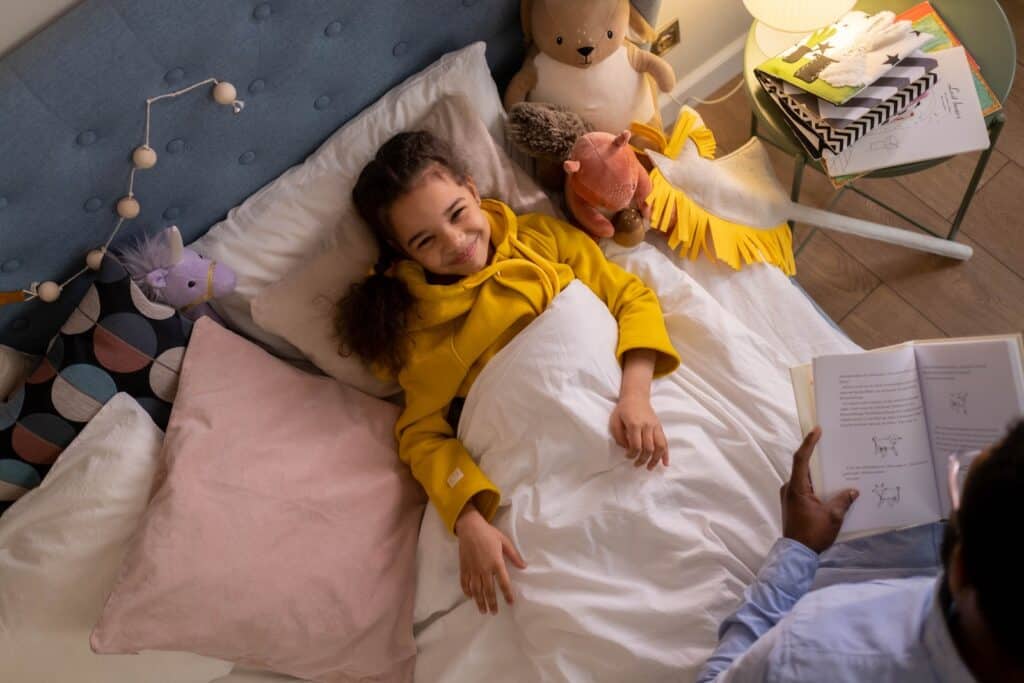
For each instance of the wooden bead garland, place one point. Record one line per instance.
(224, 93)
(94, 261)
(48, 291)
(143, 157)
(128, 207)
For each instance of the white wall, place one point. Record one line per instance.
(713, 34)
(711, 52)
(22, 19)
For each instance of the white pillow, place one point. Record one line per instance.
(61, 545)
(300, 307)
(15, 366)
(303, 211)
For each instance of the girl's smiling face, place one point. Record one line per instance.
(439, 224)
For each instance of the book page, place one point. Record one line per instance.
(972, 392)
(802, 377)
(875, 438)
(946, 121)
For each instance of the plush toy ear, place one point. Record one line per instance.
(571, 166)
(639, 26)
(622, 138)
(157, 279)
(176, 244)
(525, 14)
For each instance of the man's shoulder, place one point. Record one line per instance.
(862, 629)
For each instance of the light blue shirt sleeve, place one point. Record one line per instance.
(785, 577)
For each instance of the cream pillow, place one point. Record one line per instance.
(60, 548)
(300, 308)
(305, 209)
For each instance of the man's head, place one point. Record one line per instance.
(983, 538)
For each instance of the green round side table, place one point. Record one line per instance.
(982, 27)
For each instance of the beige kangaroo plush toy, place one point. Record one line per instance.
(579, 57)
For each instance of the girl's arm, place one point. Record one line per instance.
(634, 305)
(482, 552)
(441, 464)
(644, 348)
(637, 373)
(464, 497)
(634, 424)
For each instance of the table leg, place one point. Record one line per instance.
(998, 121)
(753, 125)
(799, 163)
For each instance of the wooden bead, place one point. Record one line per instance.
(144, 157)
(48, 292)
(128, 207)
(95, 258)
(224, 93)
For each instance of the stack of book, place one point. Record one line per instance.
(874, 91)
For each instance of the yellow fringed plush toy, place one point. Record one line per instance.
(732, 209)
(699, 204)
(711, 207)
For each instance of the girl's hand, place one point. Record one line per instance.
(634, 425)
(482, 552)
(637, 428)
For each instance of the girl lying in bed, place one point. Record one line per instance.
(458, 277)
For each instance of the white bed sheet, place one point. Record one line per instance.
(630, 572)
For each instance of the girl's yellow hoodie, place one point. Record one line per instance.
(456, 328)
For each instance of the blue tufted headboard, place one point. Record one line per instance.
(72, 108)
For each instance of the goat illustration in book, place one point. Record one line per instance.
(886, 445)
(958, 402)
(886, 496)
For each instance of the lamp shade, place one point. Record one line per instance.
(798, 15)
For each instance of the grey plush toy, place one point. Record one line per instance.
(545, 131)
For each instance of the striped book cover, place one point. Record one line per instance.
(822, 126)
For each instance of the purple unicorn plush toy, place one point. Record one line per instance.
(169, 273)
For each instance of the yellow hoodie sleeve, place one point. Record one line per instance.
(441, 464)
(634, 305)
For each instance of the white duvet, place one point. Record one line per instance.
(630, 572)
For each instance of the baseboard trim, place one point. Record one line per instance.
(715, 72)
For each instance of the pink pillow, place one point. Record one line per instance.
(283, 532)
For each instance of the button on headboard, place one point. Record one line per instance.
(72, 109)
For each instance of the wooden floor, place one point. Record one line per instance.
(881, 294)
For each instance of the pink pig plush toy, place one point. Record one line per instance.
(606, 187)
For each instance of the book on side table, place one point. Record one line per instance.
(891, 417)
(948, 120)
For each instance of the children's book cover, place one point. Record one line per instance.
(838, 62)
(926, 19)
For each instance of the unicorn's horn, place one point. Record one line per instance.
(176, 245)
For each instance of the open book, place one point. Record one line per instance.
(891, 417)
